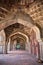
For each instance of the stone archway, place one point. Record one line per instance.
(26, 41)
(18, 17)
(25, 20)
(36, 41)
(37, 31)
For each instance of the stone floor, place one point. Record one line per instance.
(18, 58)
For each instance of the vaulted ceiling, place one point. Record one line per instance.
(33, 8)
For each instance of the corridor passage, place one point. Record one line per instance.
(18, 58)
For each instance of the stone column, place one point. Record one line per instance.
(6, 43)
(11, 44)
(14, 44)
(40, 52)
(8, 47)
(28, 45)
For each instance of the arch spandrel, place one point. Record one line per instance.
(15, 18)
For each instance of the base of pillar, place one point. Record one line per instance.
(40, 61)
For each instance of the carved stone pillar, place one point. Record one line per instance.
(6, 43)
(40, 52)
(8, 47)
(14, 44)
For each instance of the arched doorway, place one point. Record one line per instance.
(19, 39)
(24, 24)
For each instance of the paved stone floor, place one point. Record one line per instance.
(18, 58)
